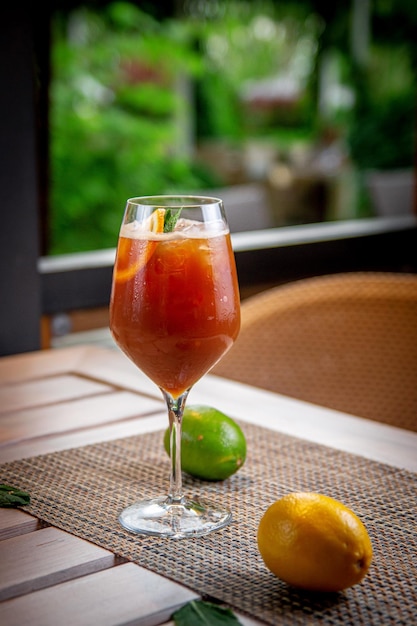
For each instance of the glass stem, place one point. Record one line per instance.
(175, 412)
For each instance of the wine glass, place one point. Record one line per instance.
(174, 311)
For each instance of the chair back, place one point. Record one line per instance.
(344, 341)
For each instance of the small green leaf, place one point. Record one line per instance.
(200, 613)
(11, 497)
(171, 219)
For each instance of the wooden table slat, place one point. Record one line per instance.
(41, 364)
(76, 414)
(78, 438)
(14, 523)
(48, 391)
(46, 557)
(122, 596)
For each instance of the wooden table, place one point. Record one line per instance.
(58, 399)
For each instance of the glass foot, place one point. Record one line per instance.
(162, 517)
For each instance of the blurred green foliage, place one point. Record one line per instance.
(382, 129)
(118, 119)
(131, 96)
(114, 121)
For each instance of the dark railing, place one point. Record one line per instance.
(272, 256)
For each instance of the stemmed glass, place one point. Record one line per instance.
(175, 312)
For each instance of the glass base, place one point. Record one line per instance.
(163, 517)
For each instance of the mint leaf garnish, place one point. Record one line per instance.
(11, 497)
(200, 613)
(170, 219)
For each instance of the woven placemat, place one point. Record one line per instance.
(82, 491)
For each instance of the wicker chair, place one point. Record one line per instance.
(344, 341)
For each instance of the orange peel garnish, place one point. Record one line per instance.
(125, 271)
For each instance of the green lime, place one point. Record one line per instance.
(213, 446)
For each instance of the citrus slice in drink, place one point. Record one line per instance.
(128, 264)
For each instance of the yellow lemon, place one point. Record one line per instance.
(213, 446)
(314, 542)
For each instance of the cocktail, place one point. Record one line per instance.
(175, 312)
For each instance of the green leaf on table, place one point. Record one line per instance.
(11, 497)
(200, 613)
(171, 219)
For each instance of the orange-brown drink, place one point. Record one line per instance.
(175, 312)
(175, 302)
